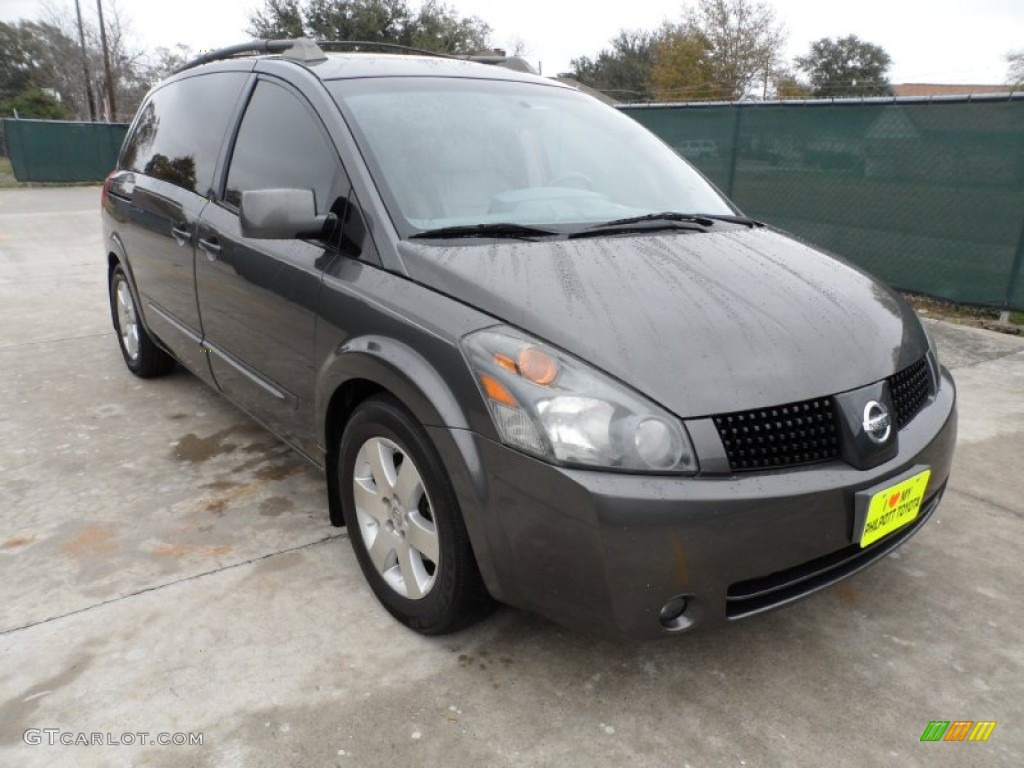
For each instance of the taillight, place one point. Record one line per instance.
(106, 189)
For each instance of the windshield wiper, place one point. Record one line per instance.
(652, 222)
(734, 219)
(501, 229)
(704, 221)
(694, 222)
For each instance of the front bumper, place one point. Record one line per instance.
(603, 552)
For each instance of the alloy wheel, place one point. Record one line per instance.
(395, 518)
(127, 320)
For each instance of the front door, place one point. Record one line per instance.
(258, 298)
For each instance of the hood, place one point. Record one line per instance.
(701, 323)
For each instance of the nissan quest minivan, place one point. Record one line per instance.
(538, 357)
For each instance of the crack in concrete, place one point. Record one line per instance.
(983, 500)
(986, 360)
(55, 341)
(193, 577)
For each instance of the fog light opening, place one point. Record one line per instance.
(672, 615)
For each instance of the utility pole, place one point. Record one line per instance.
(85, 64)
(111, 105)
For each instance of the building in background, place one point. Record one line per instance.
(945, 89)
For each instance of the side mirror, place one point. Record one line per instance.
(281, 214)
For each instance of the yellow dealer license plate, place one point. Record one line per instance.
(894, 507)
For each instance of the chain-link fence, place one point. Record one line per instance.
(927, 195)
(55, 150)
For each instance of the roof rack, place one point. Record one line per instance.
(306, 51)
(385, 46)
(516, 63)
(299, 49)
(498, 58)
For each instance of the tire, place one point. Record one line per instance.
(406, 527)
(141, 354)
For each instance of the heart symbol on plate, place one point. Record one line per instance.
(893, 499)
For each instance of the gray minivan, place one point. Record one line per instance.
(538, 357)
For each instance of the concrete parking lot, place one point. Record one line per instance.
(167, 567)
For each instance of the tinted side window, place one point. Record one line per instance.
(281, 145)
(179, 131)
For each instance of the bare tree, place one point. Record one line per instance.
(744, 42)
(132, 70)
(517, 47)
(1015, 73)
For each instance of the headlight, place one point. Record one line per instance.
(551, 405)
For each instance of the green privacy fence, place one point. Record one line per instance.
(57, 150)
(927, 195)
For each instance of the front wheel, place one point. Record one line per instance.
(141, 354)
(404, 521)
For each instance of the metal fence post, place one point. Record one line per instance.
(1014, 273)
(731, 186)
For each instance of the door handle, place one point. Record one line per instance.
(211, 246)
(182, 235)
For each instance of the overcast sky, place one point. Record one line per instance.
(939, 41)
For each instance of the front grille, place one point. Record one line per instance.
(782, 436)
(806, 432)
(746, 598)
(909, 389)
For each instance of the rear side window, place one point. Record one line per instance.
(179, 131)
(282, 145)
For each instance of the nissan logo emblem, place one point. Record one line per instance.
(877, 424)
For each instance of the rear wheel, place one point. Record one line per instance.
(404, 521)
(141, 354)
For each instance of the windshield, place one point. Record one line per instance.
(449, 152)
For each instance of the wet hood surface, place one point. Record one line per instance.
(701, 323)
